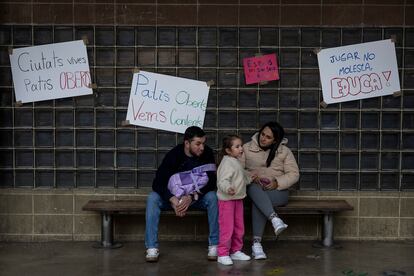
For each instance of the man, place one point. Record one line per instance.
(190, 154)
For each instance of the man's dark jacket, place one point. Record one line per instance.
(177, 161)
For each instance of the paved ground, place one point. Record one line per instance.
(189, 258)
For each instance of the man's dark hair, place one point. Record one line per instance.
(193, 131)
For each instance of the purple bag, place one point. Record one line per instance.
(188, 182)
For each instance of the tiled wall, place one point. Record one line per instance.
(45, 215)
(361, 151)
(80, 142)
(211, 12)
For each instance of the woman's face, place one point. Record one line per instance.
(266, 137)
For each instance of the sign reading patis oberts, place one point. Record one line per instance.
(50, 71)
(166, 102)
(358, 71)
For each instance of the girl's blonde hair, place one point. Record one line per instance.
(227, 142)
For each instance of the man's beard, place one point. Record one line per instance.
(194, 154)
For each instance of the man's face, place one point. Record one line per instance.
(195, 147)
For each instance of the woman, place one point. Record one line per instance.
(274, 168)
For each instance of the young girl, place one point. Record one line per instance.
(231, 183)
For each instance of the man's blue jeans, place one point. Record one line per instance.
(155, 204)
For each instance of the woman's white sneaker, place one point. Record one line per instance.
(239, 256)
(224, 260)
(278, 225)
(257, 251)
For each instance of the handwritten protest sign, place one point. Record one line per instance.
(260, 68)
(166, 102)
(358, 71)
(50, 71)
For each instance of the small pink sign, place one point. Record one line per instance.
(261, 68)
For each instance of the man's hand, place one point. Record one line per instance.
(180, 206)
(174, 204)
(184, 203)
(174, 201)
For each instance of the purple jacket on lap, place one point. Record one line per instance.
(188, 182)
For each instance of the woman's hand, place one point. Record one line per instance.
(255, 179)
(263, 181)
(271, 186)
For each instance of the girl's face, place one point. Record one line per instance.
(266, 137)
(236, 149)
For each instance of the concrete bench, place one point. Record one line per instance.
(107, 208)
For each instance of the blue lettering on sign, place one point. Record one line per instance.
(149, 90)
(344, 57)
(183, 97)
(186, 121)
(356, 68)
(26, 64)
(369, 56)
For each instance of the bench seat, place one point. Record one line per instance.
(108, 208)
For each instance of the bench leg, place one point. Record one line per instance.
(327, 236)
(107, 233)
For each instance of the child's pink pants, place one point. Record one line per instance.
(231, 225)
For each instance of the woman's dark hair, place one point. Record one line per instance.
(193, 131)
(227, 142)
(278, 134)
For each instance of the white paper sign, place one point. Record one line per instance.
(166, 102)
(358, 71)
(50, 71)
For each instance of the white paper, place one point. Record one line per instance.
(50, 71)
(358, 71)
(166, 102)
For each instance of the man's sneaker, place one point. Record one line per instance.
(152, 255)
(239, 256)
(257, 251)
(278, 225)
(212, 253)
(225, 260)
